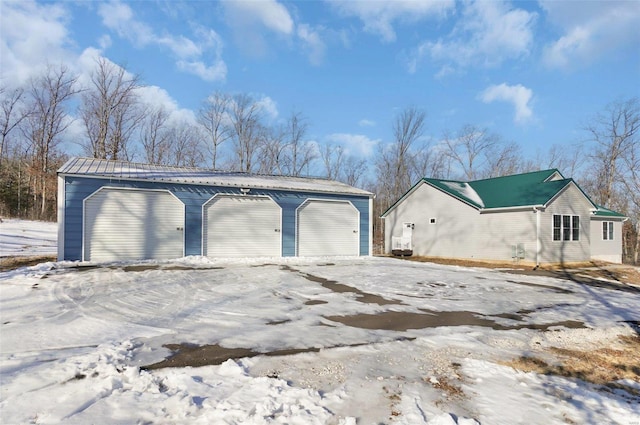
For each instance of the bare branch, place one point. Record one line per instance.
(110, 110)
(215, 120)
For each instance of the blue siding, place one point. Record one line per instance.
(194, 197)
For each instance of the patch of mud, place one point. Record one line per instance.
(340, 288)
(207, 355)
(134, 268)
(191, 355)
(278, 322)
(537, 285)
(518, 315)
(315, 302)
(403, 321)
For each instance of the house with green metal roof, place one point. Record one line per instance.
(539, 217)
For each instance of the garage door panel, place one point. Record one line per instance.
(133, 225)
(242, 226)
(328, 228)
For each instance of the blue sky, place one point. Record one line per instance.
(533, 72)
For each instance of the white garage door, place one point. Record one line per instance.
(328, 228)
(242, 226)
(132, 224)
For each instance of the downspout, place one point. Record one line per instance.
(536, 211)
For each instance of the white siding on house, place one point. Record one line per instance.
(459, 231)
(498, 233)
(606, 250)
(570, 201)
(462, 231)
(128, 224)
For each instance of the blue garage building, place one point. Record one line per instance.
(116, 210)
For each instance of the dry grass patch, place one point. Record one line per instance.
(11, 263)
(593, 269)
(626, 275)
(603, 366)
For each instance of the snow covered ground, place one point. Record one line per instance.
(21, 237)
(73, 340)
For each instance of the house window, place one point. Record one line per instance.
(607, 230)
(566, 227)
(557, 227)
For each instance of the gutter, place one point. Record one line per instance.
(511, 209)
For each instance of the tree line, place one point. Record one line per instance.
(233, 132)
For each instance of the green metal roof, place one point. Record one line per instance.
(605, 212)
(519, 190)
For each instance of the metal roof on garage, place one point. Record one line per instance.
(123, 170)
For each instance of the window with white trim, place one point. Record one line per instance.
(607, 230)
(566, 227)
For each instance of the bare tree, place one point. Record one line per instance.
(333, 158)
(246, 115)
(110, 110)
(471, 150)
(12, 114)
(215, 120)
(154, 136)
(431, 161)
(505, 160)
(613, 180)
(568, 158)
(49, 95)
(298, 153)
(272, 151)
(395, 164)
(632, 189)
(354, 172)
(185, 145)
(614, 134)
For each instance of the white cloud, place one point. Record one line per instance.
(487, 34)
(154, 96)
(119, 17)
(249, 20)
(200, 69)
(30, 35)
(354, 144)
(268, 106)
(518, 95)
(314, 45)
(104, 42)
(379, 16)
(366, 123)
(591, 30)
(180, 46)
(269, 13)
(188, 52)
